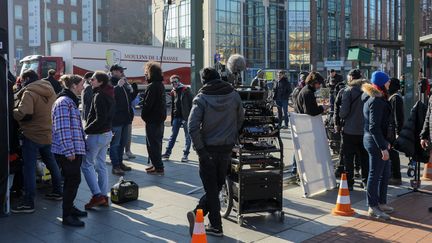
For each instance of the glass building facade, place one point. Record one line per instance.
(228, 28)
(299, 34)
(178, 25)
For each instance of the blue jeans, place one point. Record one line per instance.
(118, 143)
(379, 174)
(177, 123)
(30, 150)
(282, 107)
(94, 166)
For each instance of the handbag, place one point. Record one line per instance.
(124, 191)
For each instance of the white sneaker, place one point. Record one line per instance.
(386, 208)
(377, 213)
(130, 155)
(125, 157)
(184, 158)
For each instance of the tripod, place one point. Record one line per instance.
(415, 183)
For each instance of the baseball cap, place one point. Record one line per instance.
(117, 67)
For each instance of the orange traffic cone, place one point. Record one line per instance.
(199, 235)
(427, 172)
(343, 203)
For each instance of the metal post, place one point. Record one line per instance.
(266, 5)
(197, 45)
(412, 55)
(45, 28)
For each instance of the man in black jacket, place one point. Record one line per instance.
(53, 81)
(332, 82)
(181, 97)
(154, 114)
(86, 96)
(216, 117)
(396, 124)
(281, 95)
(123, 115)
(306, 102)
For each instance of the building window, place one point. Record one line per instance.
(74, 35)
(60, 1)
(61, 36)
(60, 16)
(73, 2)
(48, 34)
(19, 53)
(48, 15)
(19, 34)
(18, 12)
(74, 18)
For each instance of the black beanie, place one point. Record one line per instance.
(355, 73)
(208, 74)
(394, 86)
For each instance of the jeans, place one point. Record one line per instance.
(379, 173)
(29, 152)
(395, 164)
(154, 132)
(282, 107)
(118, 144)
(177, 123)
(94, 166)
(353, 147)
(72, 179)
(213, 172)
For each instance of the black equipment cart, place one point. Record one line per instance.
(255, 182)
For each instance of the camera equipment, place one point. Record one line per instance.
(254, 181)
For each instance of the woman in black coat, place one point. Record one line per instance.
(376, 111)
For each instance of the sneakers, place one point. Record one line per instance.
(107, 202)
(118, 171)
(191, 218)
(54, 196)
(149, 168)
(125, 167)
(377, 213)
(130, 155)
(385, 208)
(96, 201)
(78, 213)
(125, 157)
(210, 230)
(72, 221)
(165, 156)
(155, 171)
(23, 208)
(184, 159)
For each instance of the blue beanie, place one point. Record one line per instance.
(379, 78)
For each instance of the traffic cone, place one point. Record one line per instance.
(343, 203)
(427, 172)
(199, 235)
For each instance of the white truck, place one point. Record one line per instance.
(80, 57)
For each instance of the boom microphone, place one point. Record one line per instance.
(236, 63)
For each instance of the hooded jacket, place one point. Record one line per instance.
(306, 102)
(351, 109)
(67, 130)
(376, 112)
(99, 119)
(123, 114)
(216, 117)
(33, 111)
(154, 103)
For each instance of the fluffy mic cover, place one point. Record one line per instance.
(236, 63)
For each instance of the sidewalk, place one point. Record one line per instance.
(160, 213)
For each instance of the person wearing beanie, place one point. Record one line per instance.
(351, 113)
(306, 101)
(181, 100)
(376, 112)
(396, 123)
(214, 123)
(259, 80)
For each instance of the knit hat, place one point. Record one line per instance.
(209, 74)
(355, 73)
(379, 78)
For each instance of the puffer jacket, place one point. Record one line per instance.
(33, 111)
(216, 117)
(376, 113)
(408, 141)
